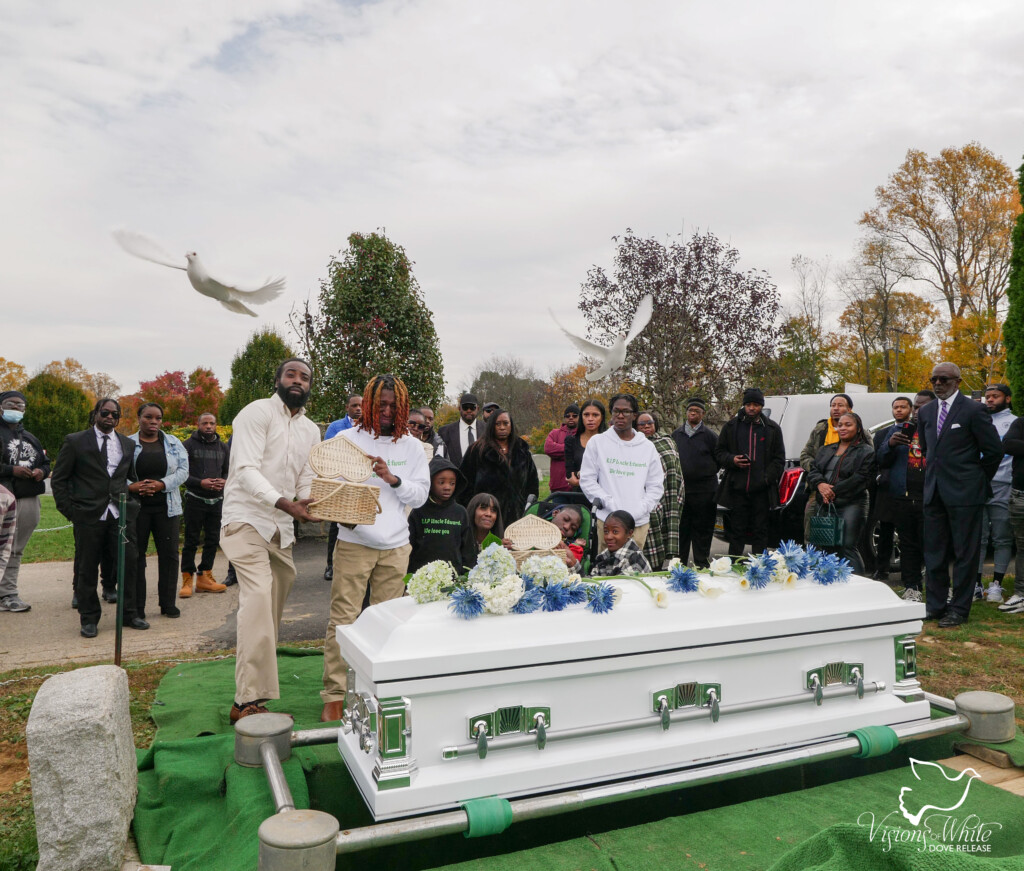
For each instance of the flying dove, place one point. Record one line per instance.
(612, 358)
(231, 297)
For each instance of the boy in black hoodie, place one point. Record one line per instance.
(440, 529)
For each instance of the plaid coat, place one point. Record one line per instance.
(627, 560)
(663, 537)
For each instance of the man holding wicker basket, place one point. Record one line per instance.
(375, 554)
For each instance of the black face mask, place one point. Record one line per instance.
(292, 400)
(208, 436)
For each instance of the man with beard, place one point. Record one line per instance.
(962, 452)
(554, 447)
(459, 437)
(267, 489)
(997, 509)
(428, 435)
(377, 556)
(204, 497)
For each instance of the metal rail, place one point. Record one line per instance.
(536, 807)
(275, 777)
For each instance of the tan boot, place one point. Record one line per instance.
(206, 584)
(186, 585)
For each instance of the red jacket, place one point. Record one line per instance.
(554, 447)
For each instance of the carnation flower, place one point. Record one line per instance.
(427, 582)
(681, 579)
(720, 566)
(466, 602)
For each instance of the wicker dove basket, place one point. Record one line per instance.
(344, 502)
(339, 458)
(532, 536)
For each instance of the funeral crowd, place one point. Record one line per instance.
(627, 496)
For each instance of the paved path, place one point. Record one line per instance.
(48, 634)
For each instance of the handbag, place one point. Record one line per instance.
(827, 528)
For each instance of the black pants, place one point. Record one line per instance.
(108, 567)
(202, 520)
(954, 536)
(886, 536)
(748, 521)
(332, 539)
(911, 531)
(697, 526)
(154, 521)
(854, 515)
(96, 543)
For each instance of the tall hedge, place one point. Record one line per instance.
(252, 372)
(54, 408)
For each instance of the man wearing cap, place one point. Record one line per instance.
(487, 410)
(997, 509)
(458, 436)
(696, 445)
(751, 450)
(554, 447)
(23, 468)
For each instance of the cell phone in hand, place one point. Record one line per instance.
(908, 428)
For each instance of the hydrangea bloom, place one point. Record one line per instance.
(682, 579)
(466, 602)
(544, 570)
(500, 598)
(427, 583)
(601, 598)
(493, 564)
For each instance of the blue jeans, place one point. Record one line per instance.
(997, 515)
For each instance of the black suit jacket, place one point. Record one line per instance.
(82, 488)
(449, 434)
(961, 460)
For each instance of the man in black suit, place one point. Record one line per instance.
(459, 436)
(962, 452)
(92, 470)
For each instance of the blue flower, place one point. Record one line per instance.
(556, 597)
(683, 579)
(832, 570)
(813, 558)
(794, 557)
(466, 603)
(531, 600)
(577, 593)
(761, 570)
(601, 598)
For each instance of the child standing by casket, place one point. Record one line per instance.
(622, 555)
(440, 529)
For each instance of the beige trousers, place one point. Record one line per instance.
(355, 566)
(265, 574)
(639, 535)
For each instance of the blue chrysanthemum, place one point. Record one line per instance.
(761, 570)
(530, 601)
(577, 593)
(601, 597)
(466, 603)
(813, 558)
(556, 597)
(794, 557)
(683, 579)
(832, 570)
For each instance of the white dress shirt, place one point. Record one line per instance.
(269, 459)
(114, 454)
(464, 429)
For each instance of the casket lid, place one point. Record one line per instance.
(401, 639)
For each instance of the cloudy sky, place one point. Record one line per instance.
(502, 145)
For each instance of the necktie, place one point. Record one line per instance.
(106, 456)
(942, 417)
(472, 436)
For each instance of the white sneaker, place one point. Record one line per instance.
(979, 593)
(912, 595)
(1012, 609)
(13, 603)
(1012, 602)
(994, 593)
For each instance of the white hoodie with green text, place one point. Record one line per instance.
(624, 475)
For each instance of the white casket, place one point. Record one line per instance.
(441, 710)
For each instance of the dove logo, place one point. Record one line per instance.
(915, 818)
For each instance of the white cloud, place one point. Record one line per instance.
(501, 145)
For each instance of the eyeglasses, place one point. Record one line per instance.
(413, 424)
(943, 379)
(621, 412)
(106, 413)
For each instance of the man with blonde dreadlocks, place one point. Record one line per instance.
(376, 556)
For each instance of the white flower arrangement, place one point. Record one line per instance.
(428, 582)
(501, 597)
(493, 564)
(544, 570)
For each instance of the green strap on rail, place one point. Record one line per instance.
(875, 741)
(487, 816)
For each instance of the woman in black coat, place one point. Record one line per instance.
(839, 475)
(499, 463)
(592, 422)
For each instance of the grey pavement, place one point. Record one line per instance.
(49, 633)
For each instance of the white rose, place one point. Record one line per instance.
(721, 566)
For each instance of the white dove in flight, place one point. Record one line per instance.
(231, 297)
(612, 358)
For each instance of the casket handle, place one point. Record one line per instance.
(817, 689)
(542, 730)
(713, 704)
(480, 727)
(665, 711)
(858, 678)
